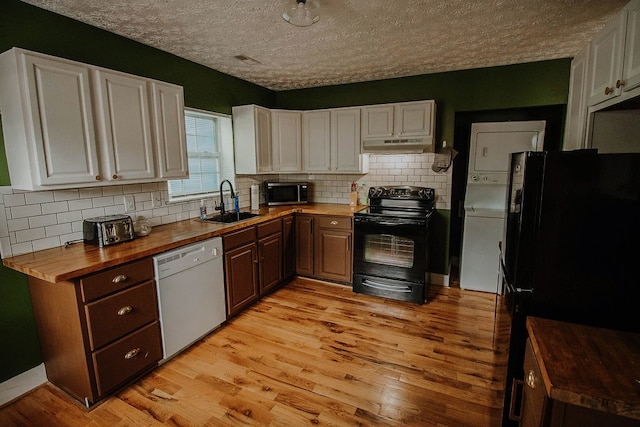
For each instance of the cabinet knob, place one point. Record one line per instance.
(334, 222)
(98, 178)
(115, 176)
(119, 278)
(608, 90)
(124, 310)
(620, 83)
(132, 353)
(531, 379)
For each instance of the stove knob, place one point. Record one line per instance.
(425, 193)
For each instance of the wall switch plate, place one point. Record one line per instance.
(129, 203)
(156, 199)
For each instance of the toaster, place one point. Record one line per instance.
(107, 230)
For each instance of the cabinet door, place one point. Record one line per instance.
(317, 141)
(377, 121)
(304, 244)
(289, 247)
(252, 139)
(631, 71)
(241, 277)
(263, 143)
(123, 111)
(333, 255)
(413, 119)
(574, 137)
(170, 137)
(286, 134)
(64, 139)
(345, 141)
(605, 58)
(270, 253)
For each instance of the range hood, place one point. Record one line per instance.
(397, 145)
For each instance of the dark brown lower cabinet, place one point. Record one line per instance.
(253, 263)
(288, 247)
(98, 332)
(324, 247)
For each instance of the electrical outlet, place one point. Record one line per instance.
(129, 203)
(156, 199)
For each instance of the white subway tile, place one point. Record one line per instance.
(42, 220)
(48, 243)
(21, 248)
(81, 204)
(90, 193)
(25, 211)
(57, 230)
(38, 197)
(30, 234)
(17, 224)
(90, 213)
(55, 207)
(11, 200)
(115, 190)
(100, 202)
(69, 217)
(63, 195)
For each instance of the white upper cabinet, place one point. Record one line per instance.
(252, 139)
(346, 154)
(316, 140)
(331, 141)
(401, 120)
(168, 119)
(614, 57)
(574, 137)
(69, 125)
(286, 140)
(124, 123)
(45, 144)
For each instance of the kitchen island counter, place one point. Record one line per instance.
(76, 260)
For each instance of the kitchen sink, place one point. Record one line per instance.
(229, 217)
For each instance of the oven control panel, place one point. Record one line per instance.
(403, 192)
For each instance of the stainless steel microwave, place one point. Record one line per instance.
(286, 193)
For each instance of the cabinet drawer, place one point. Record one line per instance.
(269, 228)
(116, 279)
(534, 394)
(239, 238)
(121, 313)
(127, 357)
(335, 222)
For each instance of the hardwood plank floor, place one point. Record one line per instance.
(315, 353)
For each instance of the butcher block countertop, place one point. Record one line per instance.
(589, 367)
(64, 263)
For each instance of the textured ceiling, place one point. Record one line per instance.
(354, 40)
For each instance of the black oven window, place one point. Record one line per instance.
(388, 249)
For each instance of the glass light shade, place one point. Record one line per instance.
(301, 15)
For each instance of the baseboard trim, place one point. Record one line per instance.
(23, 383)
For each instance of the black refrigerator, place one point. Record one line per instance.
(571, 248)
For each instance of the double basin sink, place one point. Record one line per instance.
(229, 217)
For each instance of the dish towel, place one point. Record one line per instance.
(443, 159)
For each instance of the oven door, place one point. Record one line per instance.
(390, 257)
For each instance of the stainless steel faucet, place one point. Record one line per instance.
(221, 207)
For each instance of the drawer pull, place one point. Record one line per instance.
(119, 278)
(132, 353)
(515, 385)
(124, 310)
(334, 222)
(531, 379)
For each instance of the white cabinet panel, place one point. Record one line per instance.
(574, 137)
(317, 141)
(286, 140)
(252, 139)
(123, 108)
(171, 144)
(346, 154)
(606, 54)
(413, 119)
(47, 144)
(377, 121)
(631, 67)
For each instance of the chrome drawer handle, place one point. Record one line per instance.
(132, 353)
(531, 379)
(124, 310)
(334, 222)
(119, 278)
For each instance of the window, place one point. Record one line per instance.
(210, 151)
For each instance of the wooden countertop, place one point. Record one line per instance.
(64, 263)
(589, 367)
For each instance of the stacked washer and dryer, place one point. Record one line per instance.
(485, 203)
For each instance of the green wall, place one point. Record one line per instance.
(22, 25)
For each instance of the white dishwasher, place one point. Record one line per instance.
(191, 293)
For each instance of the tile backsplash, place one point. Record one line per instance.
(36, 220)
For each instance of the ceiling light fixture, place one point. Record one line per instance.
(302, 13)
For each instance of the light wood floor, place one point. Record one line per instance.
(315, 353)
